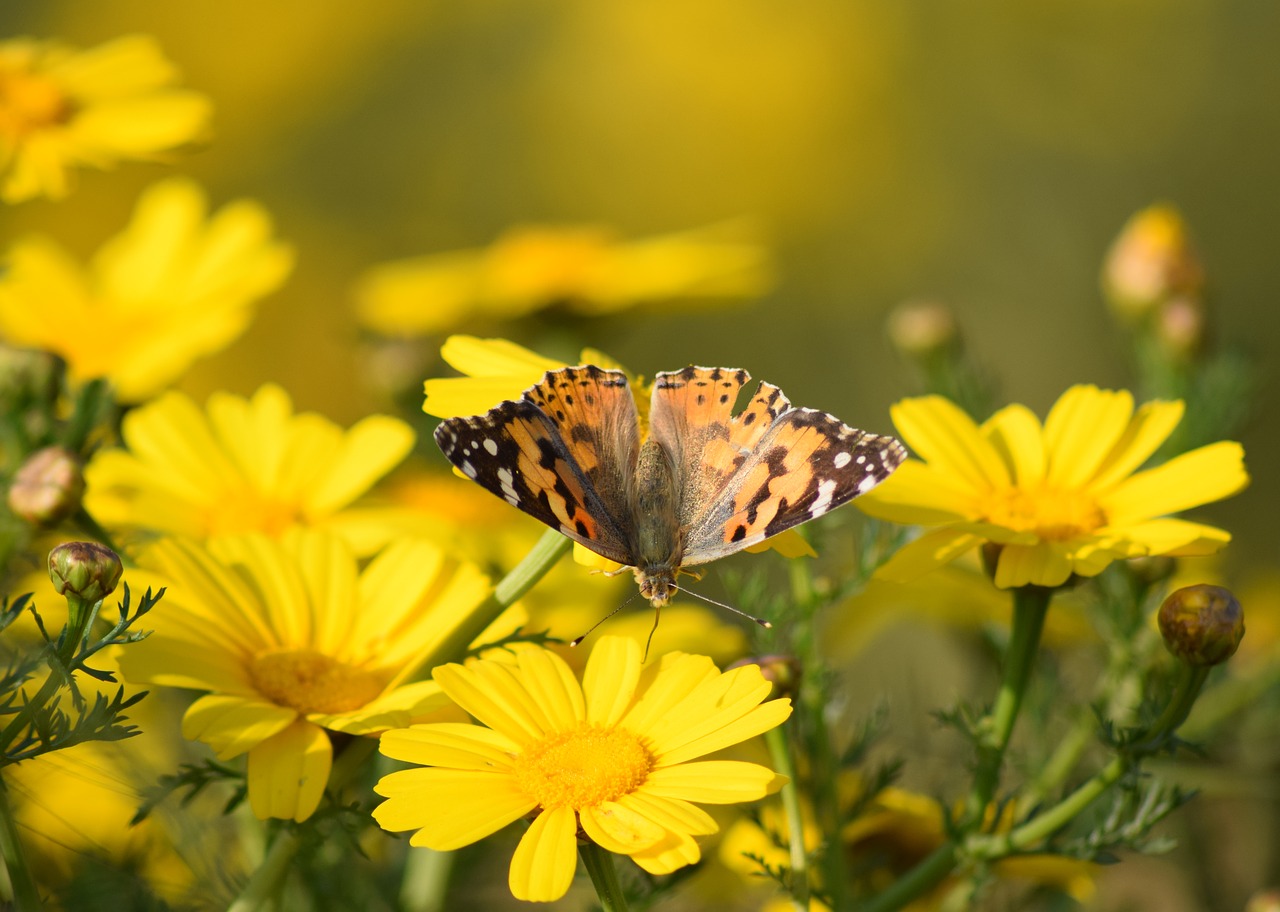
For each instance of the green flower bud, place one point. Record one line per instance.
(922, 329)
(48, 487)
(1202, 625)
(1151, 261)
(84, 570)
(28, 376)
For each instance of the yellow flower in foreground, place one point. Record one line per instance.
(584, 268)
(244, 465)
(62, 108)
(610, 757)
(176, 285)
(1058, 499)
(291, 638)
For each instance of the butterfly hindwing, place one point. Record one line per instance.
(516, 452)
(804, 464)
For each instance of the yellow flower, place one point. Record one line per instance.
(1057, 499)
(244, 465)
(896, 830)
(583, 268)
(610, 757)
(292, 639)
(175, 286)
(62, 108)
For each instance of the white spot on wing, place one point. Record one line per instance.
(468, 469)
(823, 502)
(491, 446)
(842, 460)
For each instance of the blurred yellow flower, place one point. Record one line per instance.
(585, 269)
(610, 758)
(175, 286)
(897, 829)
(244, 465)
(292, 639)
(1056, 499)
(62, 108)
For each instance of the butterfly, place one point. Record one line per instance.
(703, 484)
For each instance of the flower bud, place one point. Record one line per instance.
(1180, 327)
(783, 672)
(1151, 261)
(922, 328)
(27, 376)
(1264, 901)
(84, 570)
(48, 487)
(1202, 625)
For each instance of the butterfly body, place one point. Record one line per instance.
(704, 483)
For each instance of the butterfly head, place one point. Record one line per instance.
(657, 585)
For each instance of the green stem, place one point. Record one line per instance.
(915, 883)
(604, 877)
(267, 880)
(1030, 604)
(26, 898)
(780, 753)
(535, 565)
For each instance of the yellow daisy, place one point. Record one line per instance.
(583, 268)
(291, 638)
(62, 108)
(1056, 499)
(609, 759)
(244, 465)
(176, 285)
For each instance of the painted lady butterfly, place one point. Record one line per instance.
(703, 485)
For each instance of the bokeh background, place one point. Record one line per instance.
(982, 153)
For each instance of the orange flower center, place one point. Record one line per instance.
(583, 768)
(310, 682)
(541, 265)
(30, 102)
(1052, 514)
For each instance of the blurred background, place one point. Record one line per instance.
(984, 154)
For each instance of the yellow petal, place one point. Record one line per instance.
(1016, 434)
(452, 397)
(494, 696)
(288, 772)
(919, 494)
(1151, 426)
(928, 552)
(369, 450)
(1083, 426)
(232, 725)
(790, 544)
(449, 808)
(670, 813)
(546, 858)
(141, 127)
(455, 745)
(671, 854)
(619, 829)
(1202, 476)
(942, 434)
(610, 679)
(711, 781)
(495, 358)
(1176, 537)
(553, 688)
(1042, 564)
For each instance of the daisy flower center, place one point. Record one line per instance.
(29, 102)
(1051, 513)
(248, 511)
(583, 768)
(310, 682)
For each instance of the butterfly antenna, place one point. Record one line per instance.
(738, 611)
(625, 603)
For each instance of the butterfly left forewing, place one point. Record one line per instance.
(805, 464)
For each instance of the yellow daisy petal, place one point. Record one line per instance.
(1177, 537)
(414, 797)
(371, 449)
(618, 828)
(671, 813)
(610, 679)
(232, 725)
(1041, 565)
(1082, 428)
(918, 494)
(673, 853)
(1151, 426)
(1202, 476)
(546, 858)
(928, 552)
(1016, 434)
(288, 772)
(493, 695)
(712, 781)
(452, 744)
(495, 358)
(944, 436)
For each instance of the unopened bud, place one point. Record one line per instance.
(1180, 327)
(1264, 901)
(1151, 261)
(921, 329)
(1202, 625)
(28, 375)
(85, 570)
(48, 487)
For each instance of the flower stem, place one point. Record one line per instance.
(604, 877)
(1030, 604)
(780, 753)
(267, 880)
(26, 898)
